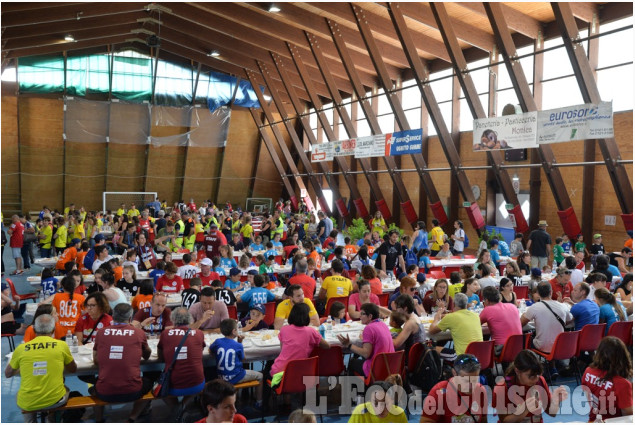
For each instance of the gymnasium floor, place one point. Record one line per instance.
(160, 412)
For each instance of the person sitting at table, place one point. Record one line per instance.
(524, 394)
(376, 339)
(72, 304)
(624, 291)
(335, 285)
(257, 244)
(191, 295)
(144, 298)
(95, 318)
(622, 259)
(156, 318)
(493, 251)
(470, 289)
(208, 312)
(464, 326)
(60, 331)
(41, 364)
(485, 278)
(381, 408)
(445, 251)
(50, 285)
(101, 257)
(256, 294)
(439, 298)
(361, 259)
(206, 275)
(106, 280)
(607, 381)
(296, 296)
(255, 320)
(188, 270)
(602, 266)
(227, 257)
(407, 286)
(484, 257)
(170, 282)
(219, 399)
(502, 318)
(301, 278)
(561, 284)
(584, 311)
(524, 263)
(363, 296)
(230, 354)
(187, 378)
(369, 273)
(233, 283)
(225, 295)
(611, 310)
(506, 288)
(512, 272)
(129, 280)
(117, 352)
(131, 259)
(145, 253)
(412, 331)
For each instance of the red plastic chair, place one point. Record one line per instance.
(565, 347)
(383, 299)
(621, 330)
(469, 256)
(331, 361)
(415, 353)
(352, 274)
(384, 365)
(437, 274)
(590, 337)
(295, 378)
(232, 311)
(200, 255)
(31, 296)
(9, 338)
(514, 345)
(270, 312)
(343, 300)
(483, 351)
(521, 292)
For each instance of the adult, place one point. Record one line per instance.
(445, 251)
(624, 291)
(539, 245)
(550, 318)
(59, 333)
(485, 258)
(356, 300)
(145, 254)
(187, 376)
(154, 319)
(584, 310)
(369, 273)
(41, 364)
(419, 237)
(506, 288)
(335, 285)
(501, 318)
(412, 330)
(439, 298)
(219, 400)
(303, 280)
(296, 296)
(464, 325)
(106, 280)
(117, 352)
(607, 380)
(101, 257)
(45, 237)
(602, 266)
(29, 237)
(436, 237)
(95, 318)
(458, 237)
(622, 260)
(561, 284)
(524, 394)
(16, 233)
(576, 274)
(376, 339)
(208, 312)
(69, 254)
(381, 407)
(486, 279)
(407, 286)
(610, 310)
(206, 274)
(390, 255)
(322, 232)
(459, 399)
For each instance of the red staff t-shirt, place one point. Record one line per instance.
(86, 324)
(171, 286)
(508, 394)
(119, 349)
(609, 397)
(17, 237)
(160, 323)
(188, 369)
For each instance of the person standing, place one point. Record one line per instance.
(16, 233)
(539, 245)
(435, 238)
(390, 255)
(459, 238)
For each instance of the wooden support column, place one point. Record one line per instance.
(584, 73)
(398, 163)
(221, 155)
(294, 137)
(423, 198)
(495, 158)
(535, 174)
(453, 205)
(272, 151)
(490, 177)
(189, 127)
(527, 103)
(346, 120)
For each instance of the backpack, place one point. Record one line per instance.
(429, 370)
(411, 258)
(89, 259)
(466, 241)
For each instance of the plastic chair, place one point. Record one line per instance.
(270, 312)
(415, 353)
(31, 296)
(383, 299)
(232, 311)
(343, 300)
(330, 361)
(514, 345)
(483, 351)
(471, 257)
(384, 365)
(295, 378)
(437, 274)
(623, 331)
(521, 292)
(565, 347)
(200, 255)
(352, 274)
(590, 337)
(9, 338)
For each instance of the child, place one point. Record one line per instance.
(256, 295)
(255, 320)
(83, 250)
(129, 280)
(267, 266)
(580, 245)
(598, 247)
(546, 270)
(227, 256)
(159, 271)
(233, 283)
(131, 259)
(230, 367)
(222, 294)
(300, 416)
(192, 295)
(270, 251)
(412, 271)
(169, 282)
(558, 252)
(456, 282)
(471, 288)
(187, 271)
(566, 244)
(144, 298)
(217, 267)
(424, 259)
(257, 245)
(397, 319)
(493, 251)
(50, 285)
(276, 244)
(236, 243)
(338, 312)
(516, 246)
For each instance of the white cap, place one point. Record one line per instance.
(205, 262)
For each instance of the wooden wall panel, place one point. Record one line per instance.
(165, 169)
(126, 167)
(268, 183)
(85, 170)
(200, 173)
(10, 187)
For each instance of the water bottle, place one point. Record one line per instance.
(554, 266)
(329, 327)
(322, 331)
(239, 326)
(69, 338)
(523, 306)
(75, 347)
(618, 297)
(598, 419)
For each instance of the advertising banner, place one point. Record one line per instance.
(579, 122)
(344, 147)
(322, 152)
(370, 146)
(508, 132)
(404, 142)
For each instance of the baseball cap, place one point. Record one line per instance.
(259, 307)
(234, 271)
(252, 272)
(597, 235)
(75, 241)
(206, 262)
(421, 278)
(536, 272)
(402, 275)
(99, 237)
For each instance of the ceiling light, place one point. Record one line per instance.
(214, 54)
(69, 38)
(273, 8)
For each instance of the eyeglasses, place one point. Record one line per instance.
(91, 305)
(412, 289)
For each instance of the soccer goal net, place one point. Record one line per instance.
(112, 200)
(258, 204)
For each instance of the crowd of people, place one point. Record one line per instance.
(119, 312)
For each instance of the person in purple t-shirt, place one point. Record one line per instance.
(376, 339)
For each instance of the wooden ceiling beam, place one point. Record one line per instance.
(516, 20)
(613, 11)
(23, 6)
(72, 12)
(66, 47)
(584, 11)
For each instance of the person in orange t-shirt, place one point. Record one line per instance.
(68, 305)
(80, 259)
(308, 245)
(144, 298)
(60, 331)
(69, 254)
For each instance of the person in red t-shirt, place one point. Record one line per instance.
(606, 381)
(459, 399)
(155, 319)
(301, 278)
(170, 282)
(118, 351)
(219, 398)
(524, 394)
(16, 232)
(96, 318)
(561, 286)
(207, 275)
(213, 241)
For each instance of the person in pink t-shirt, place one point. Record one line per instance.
(356, 300)
(297, 339)
(501, 318)
(376, 339)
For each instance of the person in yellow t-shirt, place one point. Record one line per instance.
(335, 285)
(122, 210)
(76, 228)
(380, 409)
(247, 231)
(45, 235)
(133, 211)
(61, 235)
(69, 210)
(378, 224)
(41, 363)
(435, 238)
(82, 214)
(295, 295)
(464, 325)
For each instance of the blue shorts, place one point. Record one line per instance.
(187, 391)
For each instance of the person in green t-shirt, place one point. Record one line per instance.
(381, 408)
(580, 246)
(558, 251)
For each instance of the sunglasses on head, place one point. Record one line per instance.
(468, 359)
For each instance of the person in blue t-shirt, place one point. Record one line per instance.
(276, 242)
(504, 248)
(493, 251)
(257, 244)
(157, 272)
(611, 310)
(234, 283)
(424, 259)
(584, 310)
(258, 294)
(49, 283)
(270, 251)
(255, 321)
(229, 354)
